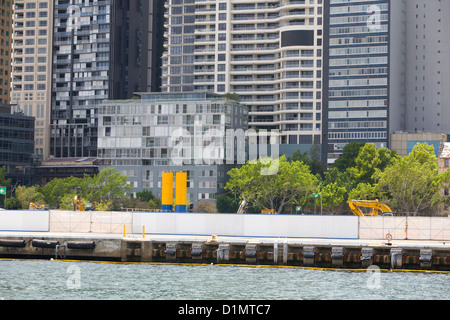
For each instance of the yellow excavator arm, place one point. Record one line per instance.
(375, 208)
(32, 206)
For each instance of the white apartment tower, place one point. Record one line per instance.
(267, 52)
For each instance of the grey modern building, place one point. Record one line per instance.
(426, 65)
(386, 69)
(184, 132)
(357, 74)
(101, 50)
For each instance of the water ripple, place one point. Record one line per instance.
(58, 280)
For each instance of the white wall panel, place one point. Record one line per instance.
(24, 221)
(248, 225)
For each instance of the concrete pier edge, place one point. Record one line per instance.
(326, 254)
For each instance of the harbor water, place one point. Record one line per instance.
(68, 280)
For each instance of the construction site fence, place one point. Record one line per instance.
(289, 226)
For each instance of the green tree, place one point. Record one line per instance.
(364, 191)
(356, 174)
(349, 155)
(56, 189)
(154, 204)
(289, 184)
(4, 182)
(108, 184)
(10, 201)
(333, 198)
(310, 158)
(66, 201)
(347, 178)
(370, 160)
(26, 195)
(227, 203)
(412, 184)
(103, 205)
(145, 195)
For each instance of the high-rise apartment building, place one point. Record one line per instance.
(269, 53)
(100, 51)
(6, 31)
(31, 66)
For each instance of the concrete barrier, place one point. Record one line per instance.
(17, 220)
(247, 225)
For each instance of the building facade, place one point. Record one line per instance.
(357, 74)
(31, 66)
(386, 71)
(403, 143)
(101, 51)
(268, 53)
(6, 32)
(16, 145)
(427, 66)
(183, 132)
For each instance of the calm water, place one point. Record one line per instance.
(59, 280)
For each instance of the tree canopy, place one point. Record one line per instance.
(108, 186)
(412, 184)
(409, 185)
(293, 183)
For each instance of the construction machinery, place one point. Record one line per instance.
(371, 208)
(34, 206)
(268, 211)
(77, 204)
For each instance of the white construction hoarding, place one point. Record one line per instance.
(247, 225)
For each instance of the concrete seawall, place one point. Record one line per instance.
(321, 253)
(305, 241)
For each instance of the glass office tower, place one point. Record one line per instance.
(357, 74)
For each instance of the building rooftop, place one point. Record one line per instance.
(64, 162)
